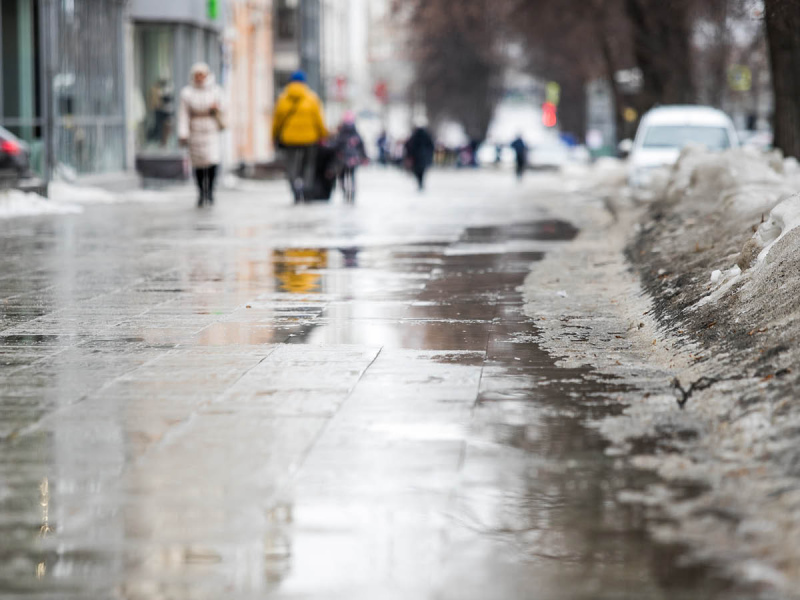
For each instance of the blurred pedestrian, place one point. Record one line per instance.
(520, 149)
(350, 154)
(383, 148)
(419, 151)
(200, 119)
(161, 102)
(297, 129)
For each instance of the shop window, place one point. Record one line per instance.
(89, 124)
(212, 51)
(20, 107)
(154, 105)
(286, 20)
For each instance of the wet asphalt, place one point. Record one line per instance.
(263, 400)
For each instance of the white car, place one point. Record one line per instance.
(664, 131)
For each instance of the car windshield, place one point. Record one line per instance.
(678, 136)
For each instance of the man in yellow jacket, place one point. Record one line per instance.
(297, 128)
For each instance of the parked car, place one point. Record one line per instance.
(664, 131)
(14, 158)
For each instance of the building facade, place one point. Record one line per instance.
(166, 39)
(391, 70)
(344, 60)
(249, 48)
(62, 84)
(298, 41)
(93, 85)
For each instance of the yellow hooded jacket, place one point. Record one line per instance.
(298, 117)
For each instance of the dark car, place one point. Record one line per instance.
(14, 158)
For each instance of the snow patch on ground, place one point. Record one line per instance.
(14, 203)
(603, 174)
(742, 180)
(61, 191)
(69, 199)
(783, 219)
(739, 188)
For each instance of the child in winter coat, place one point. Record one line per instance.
(350, 154)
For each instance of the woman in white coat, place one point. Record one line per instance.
(200, 119)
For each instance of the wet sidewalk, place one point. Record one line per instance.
(263, 400)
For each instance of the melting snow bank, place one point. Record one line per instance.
(61, 191)
(67, 199)
(14, 203)
(719, 254)
(707, 319)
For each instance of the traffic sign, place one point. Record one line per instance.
(740, 78)
(553, 93)
(549, 114)
(382, 91)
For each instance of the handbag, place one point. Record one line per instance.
(217, 114)
(278, 143)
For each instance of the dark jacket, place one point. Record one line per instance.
(350, 151)
(420, 149)
(521, 150)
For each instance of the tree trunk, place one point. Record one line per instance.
(783, 23)
(572, 110)
(662, 47)
(611, 72)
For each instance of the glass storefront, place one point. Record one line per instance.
(62, 81)
(155, 96)
(87, 90)
(74, 119)
(297, 33)
(20, 85)
(163, 56)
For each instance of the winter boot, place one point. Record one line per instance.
(299, 198)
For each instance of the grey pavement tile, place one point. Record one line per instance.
(280, 403)
(246, 334)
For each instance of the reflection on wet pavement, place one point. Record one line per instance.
(312, 403)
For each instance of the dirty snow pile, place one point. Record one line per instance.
(603, 175)
(724, 236)
(719, 254)
(693, 304)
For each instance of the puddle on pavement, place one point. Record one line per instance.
(532, 505)
(551, 520)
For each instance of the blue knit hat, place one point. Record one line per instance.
(298, 76)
